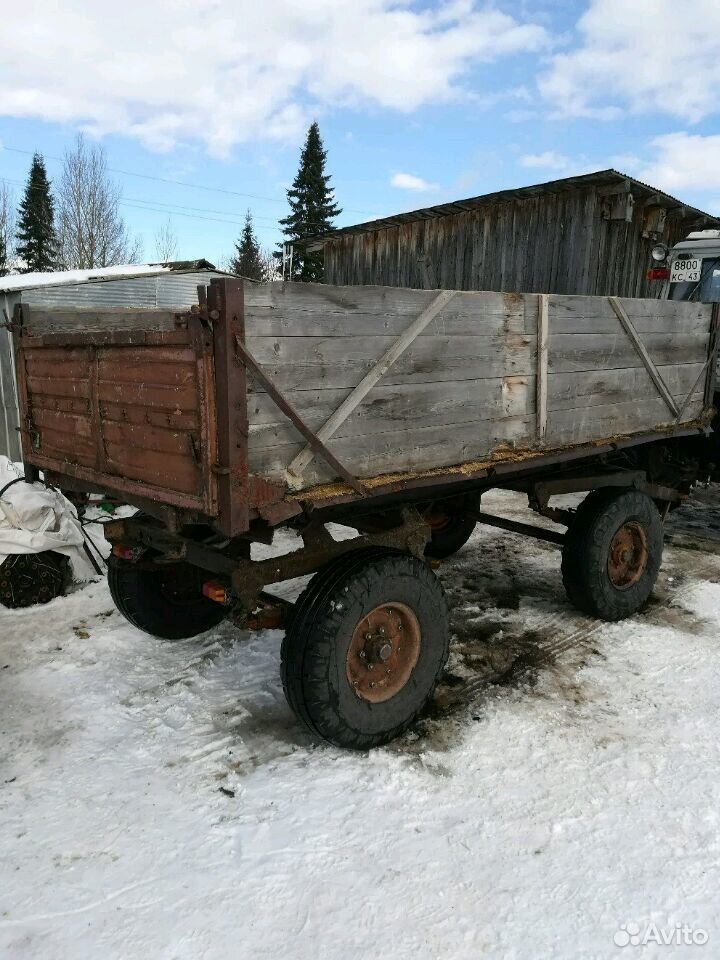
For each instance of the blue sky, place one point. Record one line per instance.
(418, 103)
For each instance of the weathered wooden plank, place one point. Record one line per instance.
(65, 404)
(79, 319)
(57, 420)
(569, 391)
(339, 363)
(427, 350)
(425, 448)
(597, 422)
(140, 413)
(38, 366)
(148, 354)
(67, 446)
(167, 397)
(146, 437)
(320, 310)
(567, 352)
(126, 370)
(396, 408)
(595, 314)
(370, 380)
(164, 469)
(418, 368)
(55, 387)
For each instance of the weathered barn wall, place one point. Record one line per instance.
(560, 242)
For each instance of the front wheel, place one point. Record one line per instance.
(164, 600)
(366, 647)
(612, 553)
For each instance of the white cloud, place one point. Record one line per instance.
(643, 56)
(408, 181)
(549, 160)
(227, 71)
(683, 161)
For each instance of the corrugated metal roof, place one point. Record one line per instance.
(598, 178)
(58, 278)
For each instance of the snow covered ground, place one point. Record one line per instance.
(158, 800)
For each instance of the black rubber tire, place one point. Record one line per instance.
(316, 643)
(30, 578)
(143, 595)
(447, 540)
(587, 546)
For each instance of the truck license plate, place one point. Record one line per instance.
(686, 271)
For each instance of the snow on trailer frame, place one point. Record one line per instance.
(390, 410)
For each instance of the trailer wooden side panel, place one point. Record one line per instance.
(128, 410)
(467, 386)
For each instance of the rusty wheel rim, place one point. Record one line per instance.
(384, 649)
(628, 555)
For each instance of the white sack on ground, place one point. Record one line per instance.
(34, 518)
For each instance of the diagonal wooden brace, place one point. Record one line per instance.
(294, 472)
(316, 445)
(632, 333)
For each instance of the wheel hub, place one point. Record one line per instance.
(628, 555)
(384, 649)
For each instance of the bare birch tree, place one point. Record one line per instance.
(91, 232)
(7, 230)
(166, 242)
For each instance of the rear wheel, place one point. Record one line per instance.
(164, 600)
(612, 553)
(366, 647)
(451, 525)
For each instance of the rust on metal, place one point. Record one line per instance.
(515, 526)
(226, 306)
(383, 652)
(628, 555)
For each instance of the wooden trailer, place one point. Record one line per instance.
(388, 409)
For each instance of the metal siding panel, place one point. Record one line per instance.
(180, 289)
(9, 412)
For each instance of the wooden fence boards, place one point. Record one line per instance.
(465, 388)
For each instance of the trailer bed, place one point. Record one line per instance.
(271, 396)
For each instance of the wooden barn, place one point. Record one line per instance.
(590, 234)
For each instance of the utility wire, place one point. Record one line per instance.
(175, 210)
(178, 183)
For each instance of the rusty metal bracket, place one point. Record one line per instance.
(251, 577)
(291, 413)
(514, 526)
(539, 494)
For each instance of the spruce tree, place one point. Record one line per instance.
(248, 261)
(312, 207)
(37, 246)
